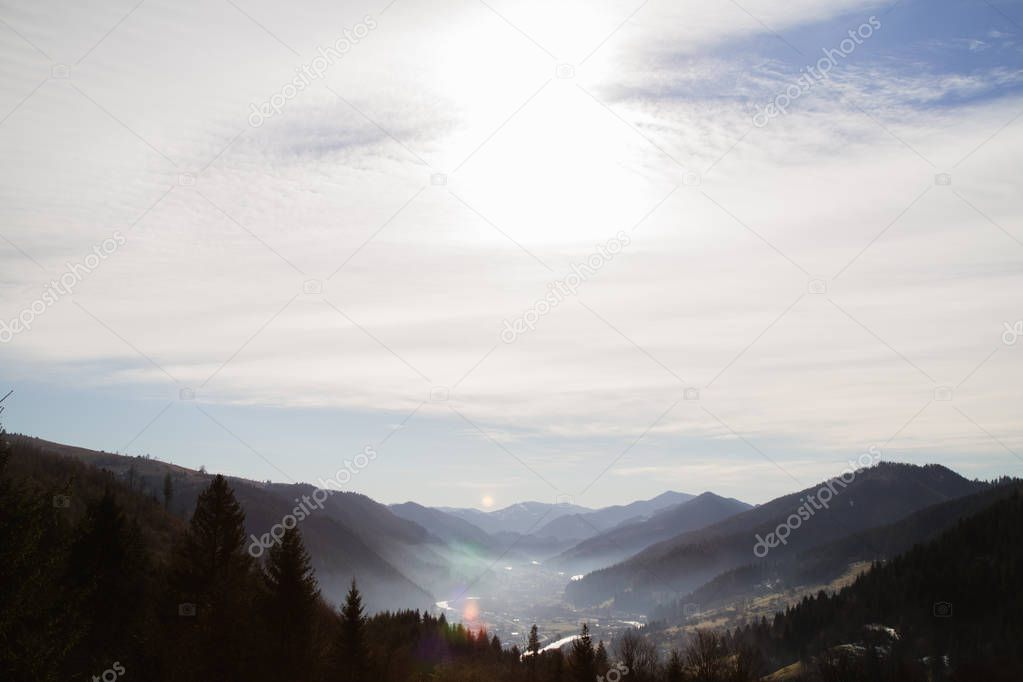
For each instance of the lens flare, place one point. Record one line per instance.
(472, 611)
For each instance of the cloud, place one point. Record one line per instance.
(451, 176)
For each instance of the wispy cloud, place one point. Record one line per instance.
(447, 171)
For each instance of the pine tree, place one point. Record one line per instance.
(600, 659)
(105, 581)
(582, 658)
(481, 640)
(290, 606)
(353, 658)
(216, 574)
(534, 650)
(534, 641)
(214, 549)
(556, 665)
(34, 633)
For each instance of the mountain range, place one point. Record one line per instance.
(627, 538)
(876, 496)
(563, 521)
(649, 556)
(404, 555)
(827, 562)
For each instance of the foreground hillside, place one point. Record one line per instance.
(99, 581)
(954, 599)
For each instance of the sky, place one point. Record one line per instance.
(524, 250)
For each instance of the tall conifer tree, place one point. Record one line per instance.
(353, 656)
(290, 606)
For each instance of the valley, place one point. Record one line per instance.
(523, 593)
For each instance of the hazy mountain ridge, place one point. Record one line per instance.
(422, 558)
(585, 525)
(403, 555)
(626, 539)
(554, 523)
(876, 496)
(522, 517)
(824, 563)
(444, 526)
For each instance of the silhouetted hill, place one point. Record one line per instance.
(522, 518)
(874, 497)
(339, 549)
(63, 480)
(444, 526)
(553, 527)
(626, 539)
(580, 526)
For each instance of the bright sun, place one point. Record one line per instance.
(564, 170)
(487, 501)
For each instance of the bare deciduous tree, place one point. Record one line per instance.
(638, 654)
